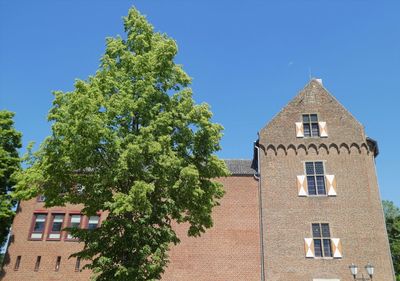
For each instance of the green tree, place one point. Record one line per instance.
(392, 215)
(130, 141)
(390, 209)
(10, 142)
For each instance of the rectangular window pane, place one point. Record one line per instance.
(41, 198)
(311, 185)
(309, 168)
(315, 130)
(36, 235)
(319, 168)
(57, 223)
(327, 248)
(93, 222)
(58, 263)
(317, 248)
(306, 118)
(316, 230)
(314, 118)
(54, 235)
(321, 185)
(74, 223)
(75, 220)
(39, 223)
(325, 230)
(37, 264)
(17, 263)
(78, 264)
(307, 130)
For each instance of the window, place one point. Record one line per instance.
(58, 263)
(56, 226)
(315, 178)
(78, 264)
(322, 240)
(79, 188)
(37, 264)
(40, 198)
(39, 223)
(74, 222)
(17, 263)
(310, 125)
(93, 222)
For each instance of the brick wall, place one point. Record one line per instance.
(228, 251)
(231, 249)
(20, 245)
(354, 215)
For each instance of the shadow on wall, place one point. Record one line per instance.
(11, 240)
(6, 260)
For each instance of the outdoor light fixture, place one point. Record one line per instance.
(370, 269)
(354, 271)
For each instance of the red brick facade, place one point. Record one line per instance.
(231, 249)
(49, 250)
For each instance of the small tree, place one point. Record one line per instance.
(131, 141)
(10, 141)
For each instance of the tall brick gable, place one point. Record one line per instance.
(353, 208)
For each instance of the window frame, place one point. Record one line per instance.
(78, 264)
(50, 227)
(81, 225)
(322, 238)
(40, 198)
(88, 219)
(37, 263)
(33, 222)
(58, 264)
(17, 263)
(315, 175)
(310, 123)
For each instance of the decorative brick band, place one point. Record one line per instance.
(362, 148)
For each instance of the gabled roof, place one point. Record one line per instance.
(240, 167)
(308, 94)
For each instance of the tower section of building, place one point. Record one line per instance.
(321, 208)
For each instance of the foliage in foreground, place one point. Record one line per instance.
(130, 141)
(10, 142)
(392, 215)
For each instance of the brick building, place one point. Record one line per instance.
(305, 208)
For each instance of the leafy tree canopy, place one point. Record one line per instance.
(390, 209)
(10, 141)
(392, 215)
(130, 141)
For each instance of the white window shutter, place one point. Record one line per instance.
(302, 186)
(331, 185)
(337, 248)
(299, 130)
(323, 132)
(309, 247)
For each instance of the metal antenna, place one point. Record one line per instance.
(309, 73)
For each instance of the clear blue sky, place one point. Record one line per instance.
(247, 58)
